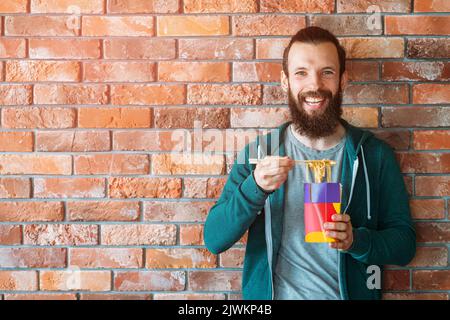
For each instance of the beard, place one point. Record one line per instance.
(317, 124)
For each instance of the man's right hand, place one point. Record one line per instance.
(271, 172)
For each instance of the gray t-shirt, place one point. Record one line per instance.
(305, 271)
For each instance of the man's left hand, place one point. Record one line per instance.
(340, 230)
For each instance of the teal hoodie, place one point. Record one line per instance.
(373, 194)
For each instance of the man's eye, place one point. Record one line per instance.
(328, 72)
(300, 73)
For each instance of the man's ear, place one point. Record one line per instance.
(344, 80)
(284, 81)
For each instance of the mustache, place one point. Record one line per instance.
(315, 94)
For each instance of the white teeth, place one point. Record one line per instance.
(313, 100)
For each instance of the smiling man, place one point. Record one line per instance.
(266, 198)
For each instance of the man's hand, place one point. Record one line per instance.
(271, 172)
(341, 230)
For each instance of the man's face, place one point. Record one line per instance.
(314, 88)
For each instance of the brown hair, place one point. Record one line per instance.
(315, 35)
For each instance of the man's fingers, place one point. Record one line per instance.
(337, 226)
(337, 235)
(341, 217)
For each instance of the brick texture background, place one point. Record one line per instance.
(92, 204)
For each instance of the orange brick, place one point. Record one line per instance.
(12, 48)
(144, 187)
(139, 234)
(15, 94)
(24, 71)
(41, 296)
(274, 95)
(15, 188)
(215, 280)
(13, 6)
(70, 94)
(112, 164)
(42, 26)
(362, 70)
(272, 48)
(69, 188)
(35, 164)
(376, 93)
(258, 117)
(131, 140)
(117, 26)
(119, 71)
(114, 117)
(430, 232)
(18, 280)
(415, 117)
(16, 141)
(75, 280)
(186, 118)
(67, 6)
(383, 5)
(397, 139)
(10, 235)
(423, 25)
(225, 6)
(431, 6)
(60, 234)
(103, 210)
(365, 117)
(33, 257)
(415, 296)
(373, 47)
(321, 6)
(257, 71)
(194, 71)
(191, 235)
(64, 49)
(431, 93)
(240, 94)
(232, 258)
(114, 296)
(192, 25)
(416, 71)
(176, 211)
(148, 94)
(178, 258)
(216, 49)
(190, 296)
(39, 117)
(430, 257)
(106, 257)
(72, 141)
(347, 24)
(199, 163)
(149, 281)
(431, 280)
(160, 49)
(143, 6)
(258, 25)
(424, 162)
(432, 186)
(431, 139)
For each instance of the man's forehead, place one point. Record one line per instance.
(306, 54)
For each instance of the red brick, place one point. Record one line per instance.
(347, 24)
(431, 280)
(203, 187)
(60, 234)
(257, 71)
(148, 94)
(69, 187)
(431, 139)
(160, 49)
(366, 117)
(188, 296)
(431, 93)
(239, 94)
(297, 6)
(67, 6)
(75, 280)
(215, 280)
(427, 208)
(428, 48)
(114, 117)
(15, 95)
(35, 164)
(178, 258)
(417, 25)
(431, 6)
(415, 117)
(424, 162)
(430, 257)
(188, 163)
(106, 257)
(112, 164)
(13, 6)
(139, 234)
(42, 117)
(42, 26)
(33, 257)
(18, 280)
(396, 280)
(191, 235)
(149, 281)
(124, 26)
(397, 139)
(272, 48)
(226, 6)
(192, 25)
(274, 95)
(232, 258)
(144, 187)
(215, 49)
(432, 186)
(12, 48)
(188, 117)
(147, 140)
(143, 6)
(70, 94)
(415, 296)
(376, 93)
(176, 211)
(416, 71)
(383, 5)
(119, 71)
(103, 210)
(16, 141)
(72, 141)
(114, 296)
(258, 117)
(373, 47)
(10, 235)
(64, 49)
(430, 232)
(408, 184)
(25, 71)
(31, 211)
(194, 71)
(362, 70)
(41, 296)
(265, 25)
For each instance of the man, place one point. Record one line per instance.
(266, 198)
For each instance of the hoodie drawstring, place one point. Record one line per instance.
(367, 183)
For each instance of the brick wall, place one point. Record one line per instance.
(93, 92)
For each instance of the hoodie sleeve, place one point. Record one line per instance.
(236, 209)
(394, 242)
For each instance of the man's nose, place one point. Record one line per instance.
(315, 82)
